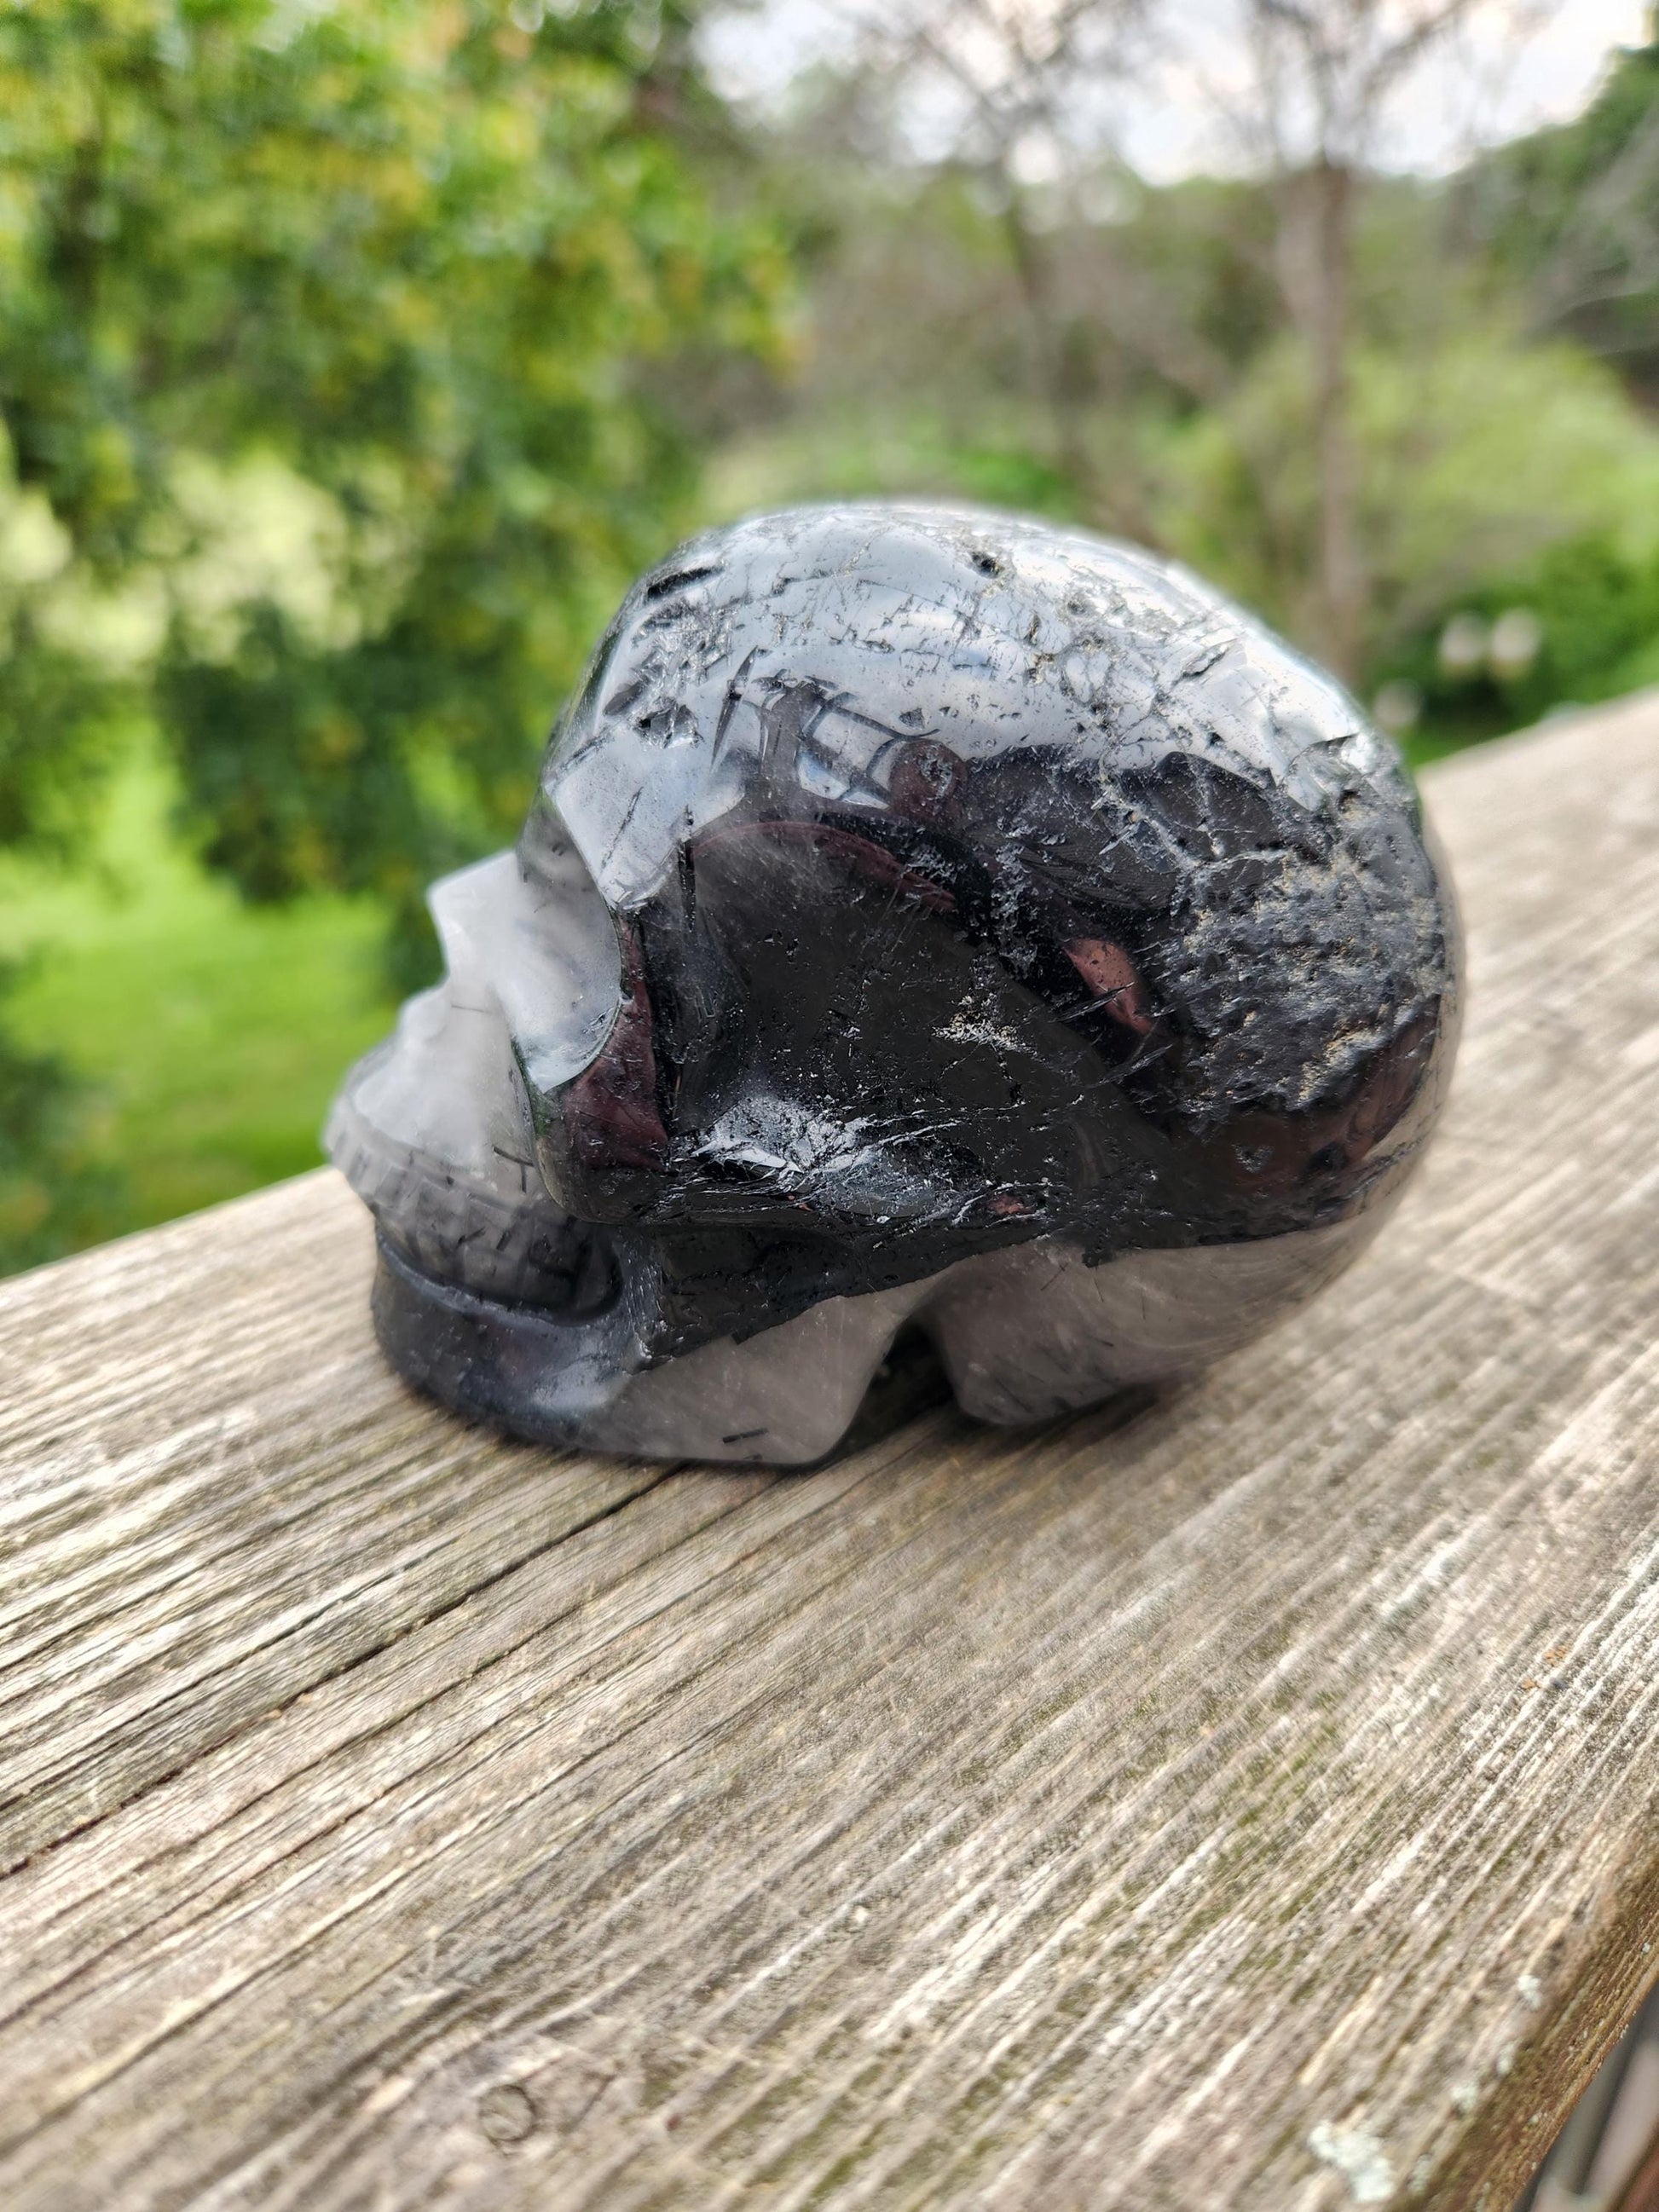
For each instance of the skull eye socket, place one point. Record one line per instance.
(541, 933)
(611, 1123)
(574, 992)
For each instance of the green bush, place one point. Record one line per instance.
(1597, 603)
(1478, 455)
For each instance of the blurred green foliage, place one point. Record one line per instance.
(57, 1186)
(1498, 433)
(1477, 455)
(1573, 214)
(415, 254)
(337, 361)
(210, 1031)
(1596, 605)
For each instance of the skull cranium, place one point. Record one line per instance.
(924, 916)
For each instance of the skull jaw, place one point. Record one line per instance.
(1025, 1335)
(782, 1398)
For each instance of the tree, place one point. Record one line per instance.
(1310, 113)
(1031, 97)
(412, 256)
(1574, 211)
(337, 361)
(1012, 87)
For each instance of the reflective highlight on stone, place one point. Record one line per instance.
(925, 916)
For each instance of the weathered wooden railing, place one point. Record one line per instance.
(1254, 1802)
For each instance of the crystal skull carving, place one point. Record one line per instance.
(925, 916)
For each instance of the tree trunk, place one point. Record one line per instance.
(1316, 256)
(1048, 343)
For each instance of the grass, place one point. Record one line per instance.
(212, 1033)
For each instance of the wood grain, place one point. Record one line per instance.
(1250, 1801)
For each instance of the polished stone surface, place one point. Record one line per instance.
(927, 917)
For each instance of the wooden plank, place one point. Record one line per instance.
(1598, 2159)
(1248, 1802)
